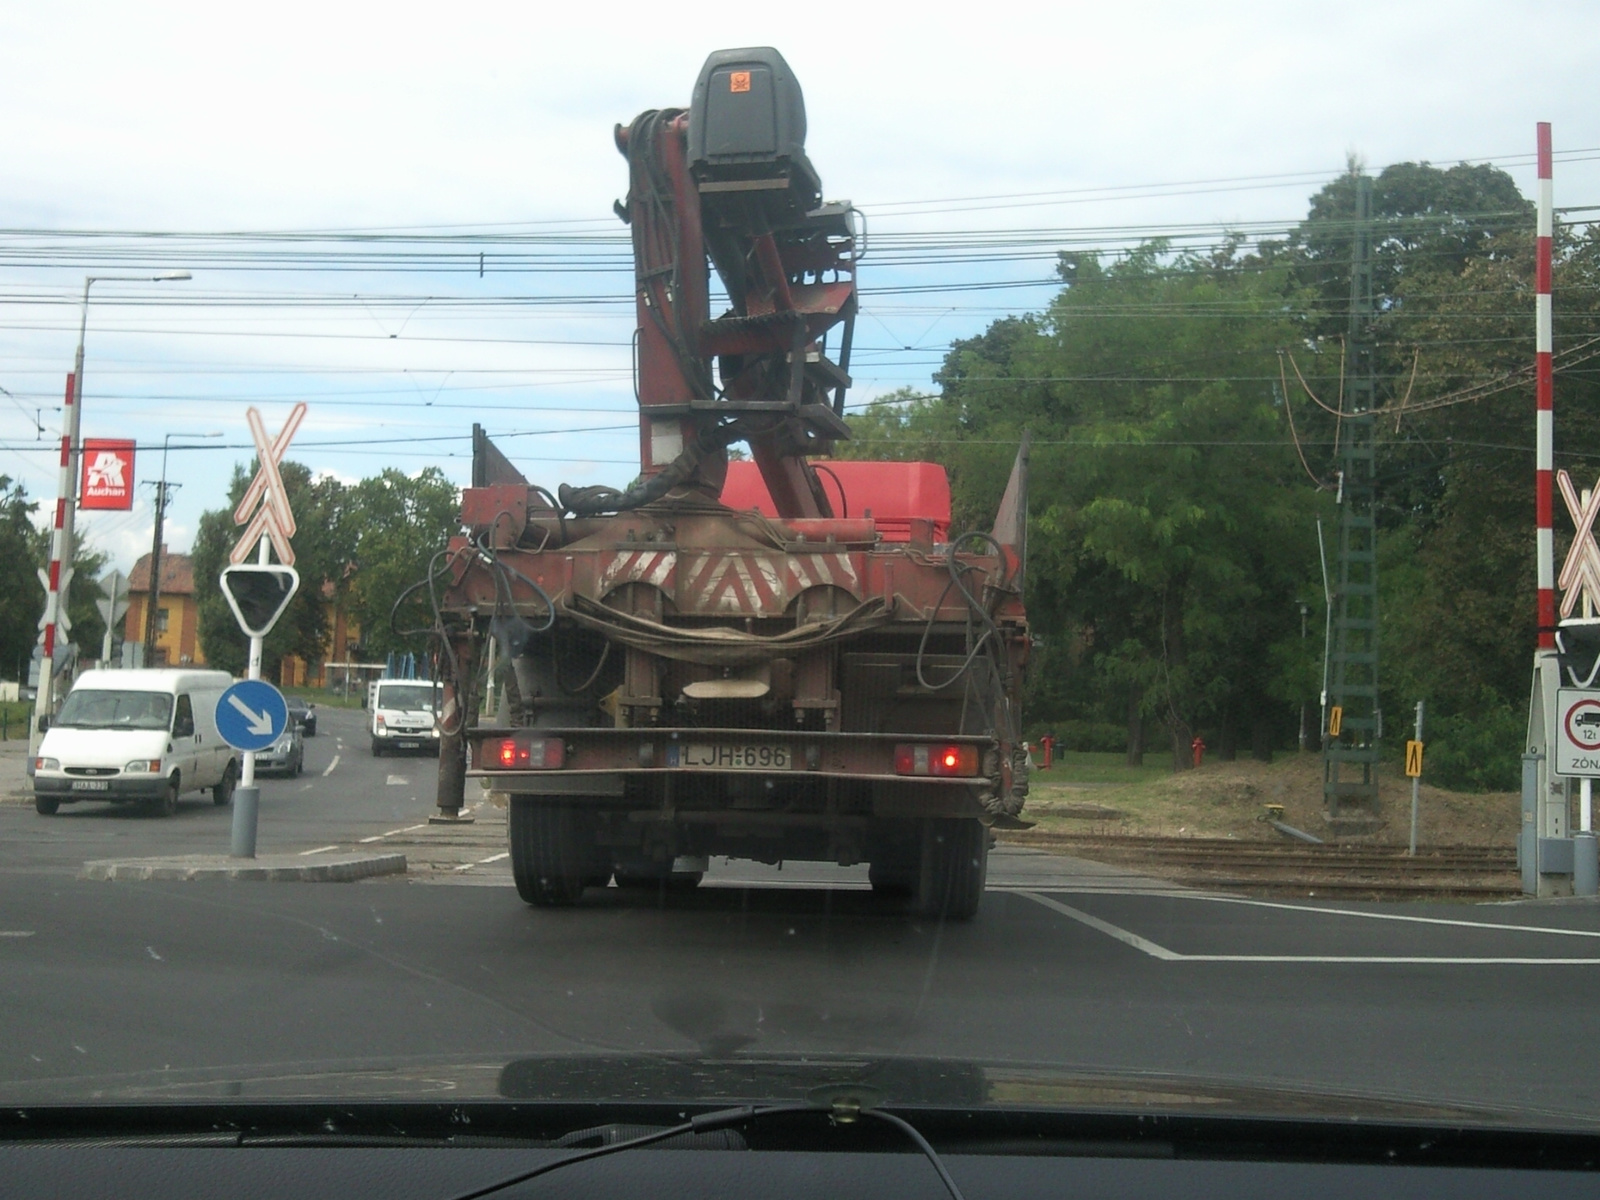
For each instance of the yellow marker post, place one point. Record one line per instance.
(1414, 759)
(1335, 720)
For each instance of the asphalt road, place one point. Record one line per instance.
(425, 984)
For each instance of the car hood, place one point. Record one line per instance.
(630, 1080)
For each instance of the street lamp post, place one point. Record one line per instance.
(150, 611)
(61, 544)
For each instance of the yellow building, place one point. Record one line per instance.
(344, 632)
(177, 614)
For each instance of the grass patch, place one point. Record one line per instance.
(1095, 793)
(326, 699)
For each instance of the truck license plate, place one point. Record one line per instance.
(91, 785)
(727, 757)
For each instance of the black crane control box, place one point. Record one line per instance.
(747, 136)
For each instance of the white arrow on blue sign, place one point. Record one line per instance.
(251, 715)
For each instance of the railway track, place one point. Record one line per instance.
(1291, 869)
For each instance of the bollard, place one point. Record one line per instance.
(1585, 865)
(245, 800)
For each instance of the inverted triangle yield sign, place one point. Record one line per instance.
(273, 518)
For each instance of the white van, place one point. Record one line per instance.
(136, 736)
(404, 715)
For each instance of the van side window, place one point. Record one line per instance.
(183, 721)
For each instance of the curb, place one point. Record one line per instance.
(268, 868)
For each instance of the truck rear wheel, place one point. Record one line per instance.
(552, 851)
(954, 869)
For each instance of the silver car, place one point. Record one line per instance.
(286, 756)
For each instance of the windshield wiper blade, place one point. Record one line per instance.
(842, 1111)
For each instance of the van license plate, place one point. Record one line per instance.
(91, 785)
(754, 756)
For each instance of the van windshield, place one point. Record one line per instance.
(116, 710)
(407, 696)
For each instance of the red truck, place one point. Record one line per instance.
(775, 658)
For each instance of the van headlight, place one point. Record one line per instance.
(47, 764)
(143, 766)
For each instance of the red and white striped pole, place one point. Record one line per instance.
(1544, 399)
(60, 575)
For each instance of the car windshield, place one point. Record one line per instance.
(116, 710)
(1052, 550)
(410, 696)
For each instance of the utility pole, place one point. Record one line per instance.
(61, 539)
(150, 626)
(150, 629)
(1350, 758)
(1305, 611)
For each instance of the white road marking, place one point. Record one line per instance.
(16, 933)
(397, 781)
(331, 766)
(378, 837)
(482, 861)
(151, 951)
(1377, 916)
(1146, 946)
(318, 850)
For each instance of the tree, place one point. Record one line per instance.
(1172, 526)
(396, 523)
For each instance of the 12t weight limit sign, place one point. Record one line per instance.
(1577, 732)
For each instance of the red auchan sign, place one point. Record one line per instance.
(107, 474)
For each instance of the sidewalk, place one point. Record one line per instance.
(15, 786)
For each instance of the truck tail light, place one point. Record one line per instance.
(936, 759)
(535, 754)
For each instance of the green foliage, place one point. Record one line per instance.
(1478, 749)
(21, 597)
(1177, 482)
(363, 544)
(27, 548)
(397, 523)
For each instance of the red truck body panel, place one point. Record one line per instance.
(891, 493)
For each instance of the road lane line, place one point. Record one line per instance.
(397, 781)
(1146, 946)
(1105, 927)
(331, 766)
(318, 850)
(1377, 916)
(495, 857)
(16, 933)
(378, 837)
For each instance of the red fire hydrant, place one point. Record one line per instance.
(1199, 748)
(1048, 744)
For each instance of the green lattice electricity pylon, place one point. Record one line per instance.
(1350, 760)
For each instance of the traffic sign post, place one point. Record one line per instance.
(251, 715)
(113, 608)
(258, 594)
(1577, 753)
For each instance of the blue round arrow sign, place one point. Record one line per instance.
(251, 715)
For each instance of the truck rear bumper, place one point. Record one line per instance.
(762, 753)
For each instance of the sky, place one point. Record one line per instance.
(455, 130)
